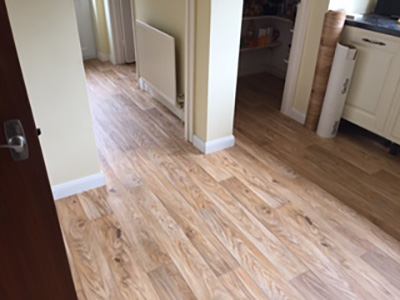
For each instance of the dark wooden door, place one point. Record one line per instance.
(33, 261)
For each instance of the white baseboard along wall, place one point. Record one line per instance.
(213, 146)
(298, 116)
(78, 186)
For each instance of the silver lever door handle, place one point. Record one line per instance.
(16, 143)
(16, 140)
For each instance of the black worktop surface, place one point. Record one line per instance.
(376, 23)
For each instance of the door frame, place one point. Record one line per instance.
(190, 35)
(190, 54)
(295, 59)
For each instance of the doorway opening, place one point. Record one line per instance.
(112, 41)
(115, 31)
(266, 42)
(106, 30)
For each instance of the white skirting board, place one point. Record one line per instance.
(214, 146)
(78, 186)
(298, 116)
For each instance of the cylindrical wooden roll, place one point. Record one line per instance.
(333, 26)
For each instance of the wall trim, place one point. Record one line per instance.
(296, 55)
(213, 146)
(78, 186)
(190, 56)
(133, 6)
(298, 116)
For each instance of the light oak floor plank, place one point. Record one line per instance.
(260, 269)
(170, 284)
(313, 288)
(241, 286)
(260, 236)
(385, 265)
(96, 279)
(133, 282)
(184, 213)
(199, 276)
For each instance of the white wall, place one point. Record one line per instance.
(46, 36)
(354, 6)
(83, 9)
(225, 30)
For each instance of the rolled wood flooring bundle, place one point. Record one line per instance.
(333, 26)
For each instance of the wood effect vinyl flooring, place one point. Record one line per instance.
(263, 220)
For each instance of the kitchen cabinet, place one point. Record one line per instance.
(393, 129)
(373, 99)
(395, 134)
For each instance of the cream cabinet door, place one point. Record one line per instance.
(393, 128)
(375, 79)
(395, 137)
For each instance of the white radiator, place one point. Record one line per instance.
(156, 60)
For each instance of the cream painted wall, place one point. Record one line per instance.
(226, 24)
(46, 36)
(167, 16)
(218, 27)
(203, 18)
(312, 42)
(101, 30)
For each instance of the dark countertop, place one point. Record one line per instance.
(376, 23)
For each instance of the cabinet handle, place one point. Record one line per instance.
(374, 42)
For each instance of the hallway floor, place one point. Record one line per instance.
(259, 221)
